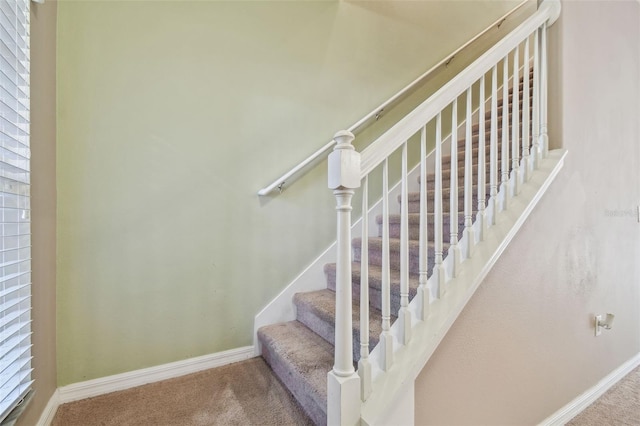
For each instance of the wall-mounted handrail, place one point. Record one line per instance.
(376, 113)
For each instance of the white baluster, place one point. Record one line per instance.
(364, 366)
(454, 249)
(536, 100)
(386, 340)
(423, 291)
(526, 99)
(468, 184)
(343, 384)
(493, 152)
(515, 125)
(404, 315)
(481, 216)
(544, 138)
(438, 267)
(504, 186)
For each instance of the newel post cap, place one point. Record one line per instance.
(344, 162)
(555, 7)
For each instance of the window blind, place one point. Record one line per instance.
(15, 222)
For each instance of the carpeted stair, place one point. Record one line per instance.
(301, 352)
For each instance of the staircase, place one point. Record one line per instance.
(489, 165)
(300, 352)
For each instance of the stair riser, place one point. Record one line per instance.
(375, 295)
(520, 93)
(446, 168)
(414, 229)
(446, 165)
(475, 128)
(487, 117)
(414, 197)
(414, 205)
(487, 114)
(326, 330)
(446, 161)
(375, 257)
(462, 142)
(487, 124)
(510, 99)
(446, 177)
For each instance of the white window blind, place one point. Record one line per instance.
(15, 222)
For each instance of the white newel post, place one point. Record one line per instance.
(343, 384)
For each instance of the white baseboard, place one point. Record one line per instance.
(576, 406)
(50, 409)
(144, 376)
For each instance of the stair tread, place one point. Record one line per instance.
(475, 153)
(446, 192)
(322, 303)
(375, 277)
(414, 219)
(446, 173)
(394, 243)
(304, 358)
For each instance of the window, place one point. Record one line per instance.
(15, 226)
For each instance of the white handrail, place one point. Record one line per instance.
(377, 112)
(391, 140)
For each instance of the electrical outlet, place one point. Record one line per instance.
(598, 318)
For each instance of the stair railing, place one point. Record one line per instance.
(516, 140)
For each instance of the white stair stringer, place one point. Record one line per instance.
(409, 360)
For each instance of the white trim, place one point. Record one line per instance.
(402, 411)
(576, 406)
(144, 376)
(50, 410)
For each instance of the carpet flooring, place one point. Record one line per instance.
(244, 393)
(248, 393)
(620, 406)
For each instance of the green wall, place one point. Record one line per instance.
(171, 115)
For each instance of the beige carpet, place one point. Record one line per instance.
(245, 393)
(620, 406)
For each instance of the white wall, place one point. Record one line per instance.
(525, 346)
